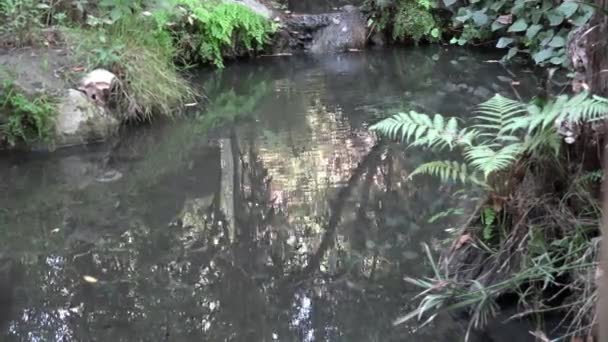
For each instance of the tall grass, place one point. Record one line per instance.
(143, 61)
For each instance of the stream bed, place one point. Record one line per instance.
(274, 215)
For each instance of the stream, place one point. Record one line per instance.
(273, 215)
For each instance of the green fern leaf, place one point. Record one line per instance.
(496, 113)
(493, 158)
(418, 129)
(447, 171)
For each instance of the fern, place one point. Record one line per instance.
(488, 217)
(580, 108)
(497, 113)
(506, 130)
(420, 129)
(493, 158)
(445, 170)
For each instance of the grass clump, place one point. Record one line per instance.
(23, 118)
(150, 81)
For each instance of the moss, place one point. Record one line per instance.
(24, 118)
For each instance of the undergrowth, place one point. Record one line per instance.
(538, 227)
(24, 118)
(405, 19)
(150, 81)
(208, 31)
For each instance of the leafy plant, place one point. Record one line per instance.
(21, 20)
(488, 219)
(506, 129)
(22, 118)
(207, 31)
(535, 27)
(406, 19)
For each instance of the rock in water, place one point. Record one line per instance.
(346, 30)
(80, 121)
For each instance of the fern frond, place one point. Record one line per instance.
(419, 129)
(498, 112)
(488, 160)
(445, 170)
(580, 108)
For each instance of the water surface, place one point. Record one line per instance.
(274, 216)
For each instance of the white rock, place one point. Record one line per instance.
(80, 121)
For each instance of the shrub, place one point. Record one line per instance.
(22, 118)
(207, 31)
(406, 19)
(21, 21)
(539, 28)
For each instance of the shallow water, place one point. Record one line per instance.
(275, 215)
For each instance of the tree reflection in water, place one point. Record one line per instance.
(296, 226)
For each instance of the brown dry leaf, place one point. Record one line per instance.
(462, 240)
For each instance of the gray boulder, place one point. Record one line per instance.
(80, 121)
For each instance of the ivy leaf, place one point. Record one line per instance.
(533, 31)
(512, 52)
(497, 5)
(582, 19)
(497, 26)
(449, 3)
(555, 18)
(503, 42)
(543, 55)
(480, 18)
(518, 26)
(557, 60)
(568, 8)
(557, 42)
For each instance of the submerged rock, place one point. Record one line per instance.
(80, 121)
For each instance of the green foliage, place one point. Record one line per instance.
(506, 129)
(406, 19)
(206, 31)
(488, 219)
(151, 83)
(21, 21)
(538, 28)
(22, 118)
